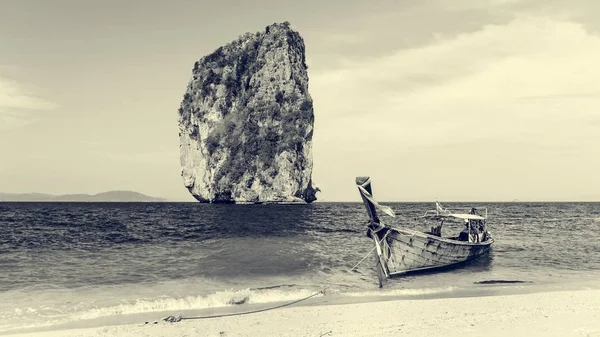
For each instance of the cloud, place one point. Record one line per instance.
(483, 87)
(472, 75)
(16, 104)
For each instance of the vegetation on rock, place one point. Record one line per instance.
(249, 115)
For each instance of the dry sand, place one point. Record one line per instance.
(564, 313)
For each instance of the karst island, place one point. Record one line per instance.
(246, 122)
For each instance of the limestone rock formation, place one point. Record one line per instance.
(246, 122)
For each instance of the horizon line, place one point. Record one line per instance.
(315, 202)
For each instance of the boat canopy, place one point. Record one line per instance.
(462, 216)
(465, 216)
(441, 213)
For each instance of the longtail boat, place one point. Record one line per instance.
(402, 250)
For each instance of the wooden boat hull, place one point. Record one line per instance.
(405, 251)
(401, 251)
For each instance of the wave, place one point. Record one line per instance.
(336, 230)
(45, 316)
(84, 308)
(215, 300)
(403, 292)
(264, 295)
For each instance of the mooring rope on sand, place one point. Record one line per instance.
(173, 319)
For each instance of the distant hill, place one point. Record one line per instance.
(111, 196)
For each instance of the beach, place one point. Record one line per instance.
(559, 313)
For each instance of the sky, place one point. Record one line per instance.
(482, 100)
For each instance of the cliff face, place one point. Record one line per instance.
(246, 122)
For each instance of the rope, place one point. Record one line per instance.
(173, 319)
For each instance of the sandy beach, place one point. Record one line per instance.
(564, 313)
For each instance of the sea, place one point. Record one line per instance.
(91, 264)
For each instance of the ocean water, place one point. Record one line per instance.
(67, 262)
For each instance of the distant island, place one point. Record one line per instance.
(110, 196)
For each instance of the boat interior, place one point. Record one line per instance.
(474, 224)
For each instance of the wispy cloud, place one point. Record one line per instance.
(17, 104)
